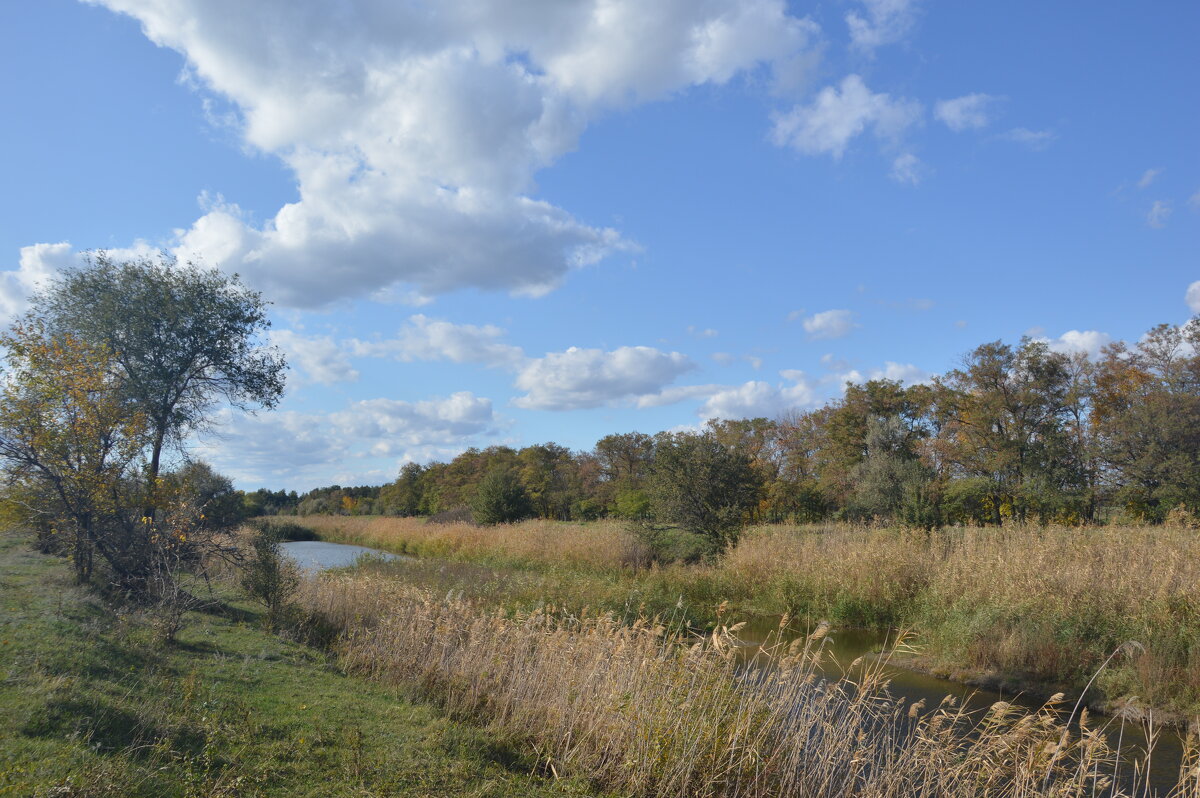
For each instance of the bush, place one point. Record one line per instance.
(703, 487)
(500, 499)
(269, 576)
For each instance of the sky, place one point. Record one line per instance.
(520, 221)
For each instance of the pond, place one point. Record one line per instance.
(317, 555)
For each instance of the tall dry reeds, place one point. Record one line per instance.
(1036, 606)
(644, 712)
(599, 544)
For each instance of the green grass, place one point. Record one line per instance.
(94, 703)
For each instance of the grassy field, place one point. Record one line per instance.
(94, 703)
(1032, 606)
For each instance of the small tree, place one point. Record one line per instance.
(703, 487)
(71, 445)
(269, 575)
(500, 498)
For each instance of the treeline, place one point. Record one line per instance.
(1017, 432)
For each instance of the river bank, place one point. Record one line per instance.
(94, 703)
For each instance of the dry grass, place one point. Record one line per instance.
(643, 712)
(1053, 602)
(598, 545)
(1043, 606)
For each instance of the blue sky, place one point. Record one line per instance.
(516, 222)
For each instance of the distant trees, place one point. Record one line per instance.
(1147, 420)
(1018, 432)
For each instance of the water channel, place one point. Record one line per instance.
(843, 647)
(847, 645)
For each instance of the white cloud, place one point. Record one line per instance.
(885, 22)
(756, 399)
(678, 393)
(969, 112)
(1193, 296)
(1158, 214)
(907, 168)
(829, 324)
(1148, 177)
(414, 131)
(1194, 200)
(287, 447)
(1033, 139)
(1072, 342)
(839, 114)
(724, 358)
(392, 425)
(430, 339)
(320, 357)
(37, 265)
(270, 448)
(696, 332)
(906, 373)
(582, 378)
(41, 263)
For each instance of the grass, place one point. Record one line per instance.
(94, 703)
(1036, 608)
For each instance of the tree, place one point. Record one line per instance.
(891, 481)
(1005, 416)
(181, 338)
(71, 444)
(500, 498)
(403, 497)
(702, 486)
(222, 508)
(1147, 420)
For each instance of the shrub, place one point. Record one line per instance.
(268, 575)
(500, 499)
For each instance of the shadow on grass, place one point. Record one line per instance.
(106, 728)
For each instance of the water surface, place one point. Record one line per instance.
(317, 555)
(845, 646)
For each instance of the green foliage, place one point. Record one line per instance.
(632, 504)
(182, 338)
(211, 493)
(702, 486)
(268, 575)
(500, 499)
(969, 501)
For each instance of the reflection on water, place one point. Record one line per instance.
(844, 646)
(317, 555)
